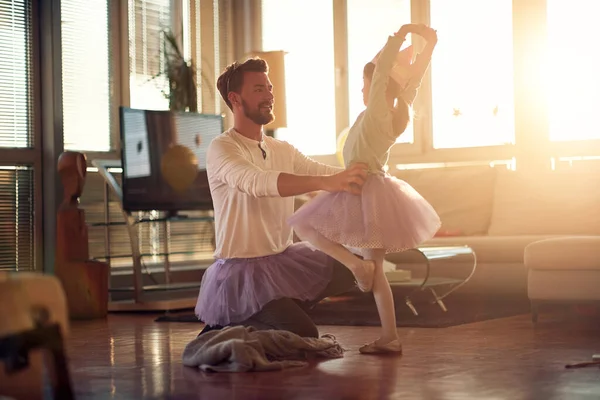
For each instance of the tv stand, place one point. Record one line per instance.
(140, 293)
(174, 215)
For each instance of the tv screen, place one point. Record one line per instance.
(164, 159)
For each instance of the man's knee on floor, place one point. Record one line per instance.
(303, 330)
(310, 331)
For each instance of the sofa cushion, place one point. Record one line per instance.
(567, 253)
(546, 203)
(461, 196)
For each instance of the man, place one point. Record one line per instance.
(261, 278)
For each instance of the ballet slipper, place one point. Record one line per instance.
(393, 347)
(364, 275)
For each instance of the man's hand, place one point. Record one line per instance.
(351, 180)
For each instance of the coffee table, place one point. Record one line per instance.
(433, 284)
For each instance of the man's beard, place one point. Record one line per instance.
(257, 116)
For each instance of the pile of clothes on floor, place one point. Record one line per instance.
(243, 349)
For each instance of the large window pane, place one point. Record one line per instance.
(85, 71)
(15, 73)
(147, 20)
(370, 22)
(305, 32)
(573, 86)
(472, 73)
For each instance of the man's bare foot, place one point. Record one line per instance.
(363, 271)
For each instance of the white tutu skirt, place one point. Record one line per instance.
(389, 214)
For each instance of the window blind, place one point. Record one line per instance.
(15, 74)
(16, 131)
(16, 219)
(147, 19)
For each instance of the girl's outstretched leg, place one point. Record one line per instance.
(363, 270)
(382, 292)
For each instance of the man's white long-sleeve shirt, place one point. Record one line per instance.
(250, 215)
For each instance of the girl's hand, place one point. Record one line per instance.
(406, 29)
(426, 33)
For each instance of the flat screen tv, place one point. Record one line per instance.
(146, 136)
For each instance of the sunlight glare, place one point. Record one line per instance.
(472, 73)
(305, 32)
(370, 23)
(573, 80)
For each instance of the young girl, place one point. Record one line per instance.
(389, 216)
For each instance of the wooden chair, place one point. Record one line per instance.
(33, 326)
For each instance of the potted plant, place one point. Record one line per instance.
(181, 76)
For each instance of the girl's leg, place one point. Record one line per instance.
(362, 270)
(382, 292)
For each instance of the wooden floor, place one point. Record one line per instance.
(133, 357)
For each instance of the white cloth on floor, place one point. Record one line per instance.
(243, 349)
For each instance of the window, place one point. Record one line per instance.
(370, 22)
(209, 42)
(207, 30)
(85, 71)
(147, 20)
(472, 73)
(15, 79)
(16, 131)
(306, 33)
(573, 86)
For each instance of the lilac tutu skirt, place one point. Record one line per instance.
(233, 290)
(389, 214)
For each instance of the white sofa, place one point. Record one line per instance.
(563, 270)
(499, 212)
